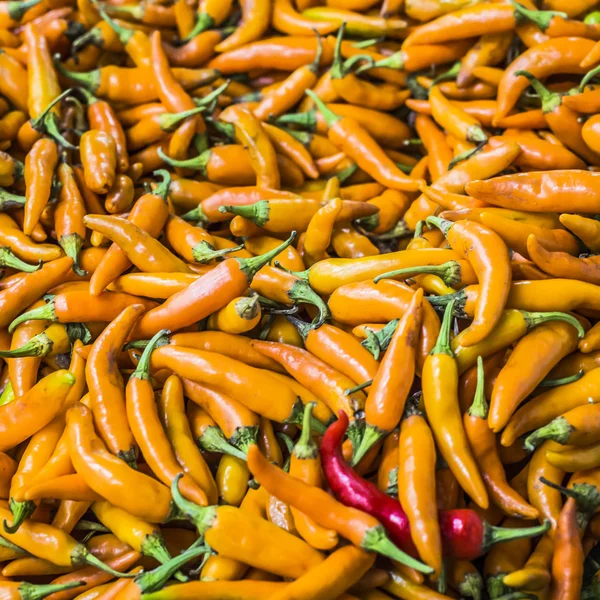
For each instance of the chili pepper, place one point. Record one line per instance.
(232, 480)
(535, 574)
(416, 486)
(440, 381)
(483, 443)
(556, 55)
(287, 20)
(305, 465)
(172, 414)
(188, 306)
(358, 144)
(215, 590)
(489, 257)
(382, 414)
(329, 384)
(240, 315)
(575, 458)
(109, 476)
(567, 562)
(14, 85)
(551, 341)
(99, 159)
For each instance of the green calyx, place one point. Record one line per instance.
(150, 581)
(442, 224)
(247, 307)
(8, 200)
(550, 100)
(20, 511)
(442, 345)
(471, 586)
(168, 121)
(203, 22)
(201, 517)
(495, 535)
(258, 212)
(376, 540)
(339, 68)
(588, 77)
(195, 216)
(558, 430)
(394, 61)
(72, 245)
(38, 345)
(371, 435)
(550, 383)
(8, 259)
(305, 447)
(377, 342)
(306, 120)
(129, 456)
(154, 546)
(123, 34)
(301, 327)
(479, 408)
(330, 117)
(244, 437)
(142, 371)
(31, 591)
(542, 18)
(204, 252)
(536, 318)
(458, 299)
(81, 556)
(90, 80)
(449, 272)
(48, 121)
(198, 163)
(495, 586)
(450, 75)
(213, 440)
(16, 9)
(302, 292)
(476, 135)
(297, 417)
(586, 495)
(251, 266)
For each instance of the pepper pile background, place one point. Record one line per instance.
(300, 299)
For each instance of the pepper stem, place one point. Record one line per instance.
(142, 371)
(16, 10)
(151, 581)
(301, 327)
(550, 100)
(442, 345)
(533, 319)
(90, 559)
(307, 120)
(72, 245)
(330, 117)
(302, 292)
(47, 122)
(162, 189)
(258, 212)
(549, 383)
(123, 34)
(449, 272)
(251, 266)
(204, 22)
(8, 259)
(244, 437)
(154, 546)
(542, 18)
(371, 435)
(557, 430)
(471, 586)
(588, 77)
(442, 224)
(458, 298)
(586, 495)
(479, 408)
(204, 252)
(336, 69)
(394, 61)
(201, 517)
(38, 345)
(8, 200)
(358, 388)
(448, 75)
(213, 440)
(305, 446)
(170, 120)
(89, 80)
(31, 591)
(376, 540)
(20, 511)
(495, 535)
(198, 162)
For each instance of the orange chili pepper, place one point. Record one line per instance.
(567, 562)
(416, 485)
(440, 383)
(489, 257)
(240, 315)
(391, 385)
(99, 159)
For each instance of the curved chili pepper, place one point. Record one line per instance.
(391, 385)
(287, 20)
(483, 443)
(240, 315)
(197, 301)
(551, 342)
(567, 562)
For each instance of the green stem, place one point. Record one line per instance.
(204, 22)
(442, 224)
(213, 440)
(346, 173)
(533, 319)
(198, 162)
(81, 556)
(394, 61)
(588, 77)
(336, 70)
(301, 327)
(168, 121)
(449, 75)
(201, 517)
(17, 8)
(195, 216)
(142, 371)
(39, 345)
(306, 120)
(47, 122)
(258, 212)
(449, 272)
(251, 266)
(496, 535)
(162, 189)
(90, 80)
(550, 100)
(459, 298)
(305, 446)
(442, 345)
(376, 540)
(586, 495)
(542, 18)
(330, 117)
(20, 511)
(205, 253)
(72, 245)
(314, 67)
(8, 259)
(471, 586)
(371, 435)
(558, 430)
(303, 293)
(376, 343)
(479, 408)
(31, 591)
(123, 34)
(549, 383)
(358, 388)
(244, 437)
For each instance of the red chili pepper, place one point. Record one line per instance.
(465, 534)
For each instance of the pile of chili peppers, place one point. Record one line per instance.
(300, 299)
